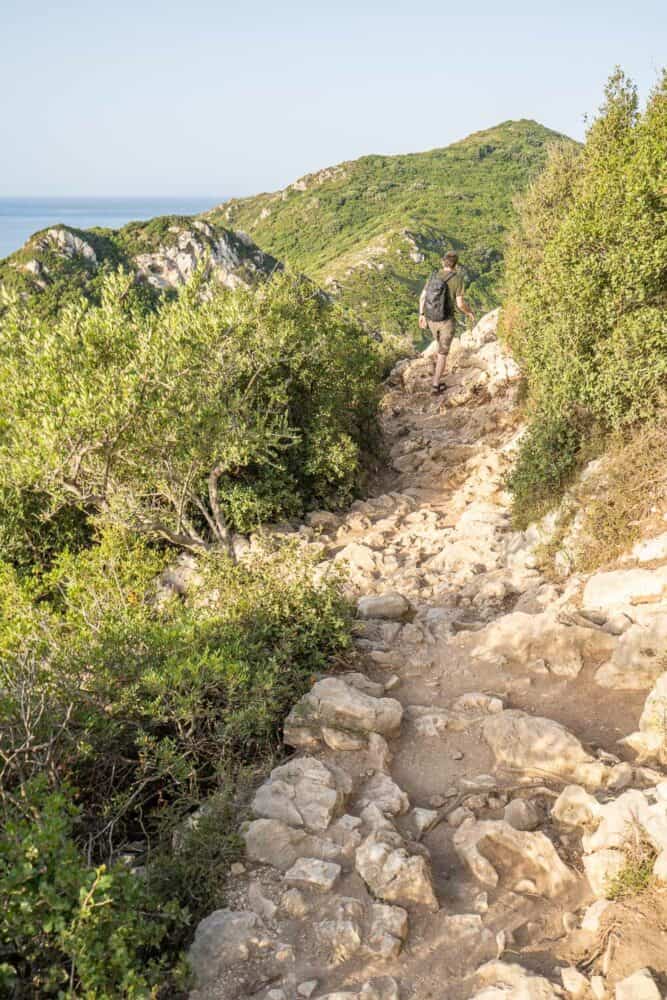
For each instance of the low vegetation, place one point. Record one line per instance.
(587, 293)
(185, 423)
(127, 435)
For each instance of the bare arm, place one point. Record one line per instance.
(464, 307)
(422, 318)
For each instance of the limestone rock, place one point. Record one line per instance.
(635, 663)
(601, 868)
(639, 986)
(311, 873)
(391, 606)
(534, 745)
(651, 739)
(574, 983)
(651, 549)
(303, 793)
(575, 807)
(334, 705)
(388, 930)
(294, 904)
(593, 916)
(522, 814)
(382, 791)
(486, 845)
(274, 843)
(222, 940)
(512, 982)
(392, 873)
(520, 638)
(433, 721)
(622, 587)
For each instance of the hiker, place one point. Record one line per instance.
(441, 292)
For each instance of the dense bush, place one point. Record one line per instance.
(216, 410)
(587, 291)
(68, 928)
(124, 707)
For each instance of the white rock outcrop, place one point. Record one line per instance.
(336, 712)
(537, 746)
(491, 846)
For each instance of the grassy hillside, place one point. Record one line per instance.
(372, 229)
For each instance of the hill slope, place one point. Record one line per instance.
(372, 229)
(59, 264)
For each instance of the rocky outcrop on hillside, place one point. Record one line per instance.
(474, 801)
(163, 257)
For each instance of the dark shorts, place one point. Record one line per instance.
(443, 334)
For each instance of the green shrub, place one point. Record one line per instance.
(185, 422)
(142, 703)
(586, 290)
(66, 928)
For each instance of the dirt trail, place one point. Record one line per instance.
(480, 622)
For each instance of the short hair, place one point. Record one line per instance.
(451, 258)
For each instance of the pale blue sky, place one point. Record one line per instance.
(193, 97)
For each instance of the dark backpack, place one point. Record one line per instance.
(437, 301)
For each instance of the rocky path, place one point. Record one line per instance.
(458, 805)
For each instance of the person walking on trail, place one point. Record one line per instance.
(442, 295)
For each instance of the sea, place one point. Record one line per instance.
(21, 217)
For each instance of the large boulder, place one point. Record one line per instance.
(541, 747)
(337, 712)
(303, 793)
(488, 845)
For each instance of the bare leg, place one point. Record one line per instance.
(440, 362)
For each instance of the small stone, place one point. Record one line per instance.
(423, 820)
(526, 887)
(457, 755)
(598, 988)
(593, 916)
(310, 873)
(573, 981)
(236, 868)
(522, 814)
(276, 995)
(294, 904)
(601, 868)
(392, 681)
(259, 904)
(391, 606)
(307, 989)
(459, 816)
(437, 801)
(620, 777)
(480, 903)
